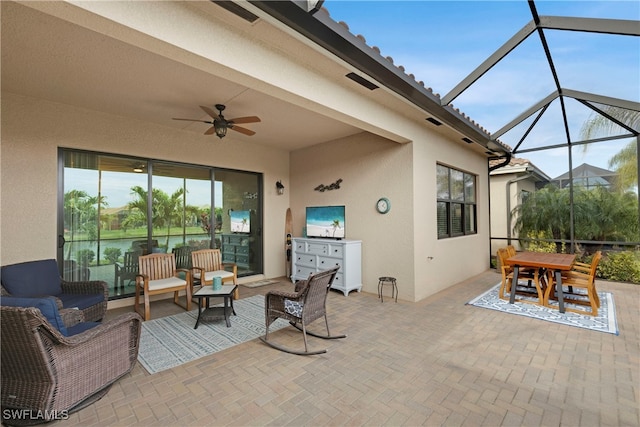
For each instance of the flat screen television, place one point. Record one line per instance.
(326, 222)
(240, 221)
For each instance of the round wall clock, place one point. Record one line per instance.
(383, 205)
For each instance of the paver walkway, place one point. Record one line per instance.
(437, 362)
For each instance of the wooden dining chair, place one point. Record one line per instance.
(581, 277)
(532, 276)
(158, 275)
(207, 264)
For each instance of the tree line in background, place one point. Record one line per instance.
(600, 214)
(169, 214)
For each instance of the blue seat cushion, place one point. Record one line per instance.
(32, 279)
(47, 306)
(81, 327)
(80, 301)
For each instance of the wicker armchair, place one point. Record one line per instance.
(49, 370)
(42, 278)
(307, 303)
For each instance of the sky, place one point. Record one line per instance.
(441, 42)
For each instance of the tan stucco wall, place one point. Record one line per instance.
(402, 243)
(499, 207)
(440, 263)
(370, 167)
(29, 169)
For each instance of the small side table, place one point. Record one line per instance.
(211, 313)
(394, 287)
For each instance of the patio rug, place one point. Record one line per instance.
(170, 341)
(604, 322)
(260, 283)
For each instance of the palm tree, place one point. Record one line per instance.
(165, 210)
(81, 214)
(625, 161)
(335, 226)
(544, 213)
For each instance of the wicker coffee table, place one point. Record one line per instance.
(213, 313)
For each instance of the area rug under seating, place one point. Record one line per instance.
(604, 322)
(260, 283)
(170, 341)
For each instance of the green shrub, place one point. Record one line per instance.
(620, 267)
(85, 256)
(112, 254)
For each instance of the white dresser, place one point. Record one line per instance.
(313, 255)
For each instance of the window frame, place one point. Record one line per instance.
(448, 204)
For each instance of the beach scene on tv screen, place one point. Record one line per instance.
(240, 222)
(326, 221)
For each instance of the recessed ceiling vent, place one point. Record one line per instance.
(467, 140)
(362, 81)
(433, 121)
(236, 10)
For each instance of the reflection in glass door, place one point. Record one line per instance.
(181, 200)
(239, 228)
(108, 217)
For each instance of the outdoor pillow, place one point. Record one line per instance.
(46, 305)
(32, 279)
(80, 301)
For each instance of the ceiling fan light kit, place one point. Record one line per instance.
(220, 124)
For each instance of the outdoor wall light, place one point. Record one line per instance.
(280, 188)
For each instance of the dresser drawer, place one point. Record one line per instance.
(303, 272)
(306, 260)
(336, 251)
(242, 250)
(318, 248)
(325, 263)
(338, 282)
(242, 259)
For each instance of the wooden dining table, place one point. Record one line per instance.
(555, 262)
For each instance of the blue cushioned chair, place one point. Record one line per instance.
(49, 368)
(48, 306)
(42, 278)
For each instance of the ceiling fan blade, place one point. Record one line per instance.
(194, 120)
(210, 131)
(248, 119)
(209, 111)
(242, 130)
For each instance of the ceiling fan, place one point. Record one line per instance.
(220, 124)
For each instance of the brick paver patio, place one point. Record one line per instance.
(437, 362)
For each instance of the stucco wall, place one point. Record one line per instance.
(402, 243)
(32, 131)
(370, 167)
(440, 263)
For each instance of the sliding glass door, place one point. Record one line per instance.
(114, 209)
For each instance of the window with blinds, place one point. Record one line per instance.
(456, 204)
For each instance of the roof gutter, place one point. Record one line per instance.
(507, 159)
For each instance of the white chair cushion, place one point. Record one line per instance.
(209, 275)
(171, 282)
